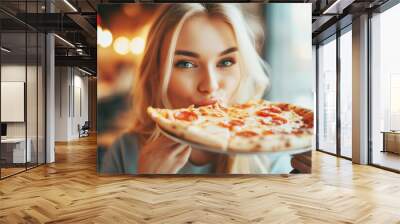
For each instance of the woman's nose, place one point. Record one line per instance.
(209, 81)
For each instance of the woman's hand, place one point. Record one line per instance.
(162, 156)
(301, 163)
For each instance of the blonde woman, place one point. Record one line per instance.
(195, 54)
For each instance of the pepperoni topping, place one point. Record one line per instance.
(308, 119)
(297, 132)
(283, 106)
(272, 109)
(186, 116)
(301, 111)
(264, 114)
(243, 106)
(231, 124)
(225, 125)
(246, 133)
(276, 119)
(308, 125)
(236, 122)
(268, 132)
(279, 120)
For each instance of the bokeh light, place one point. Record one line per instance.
(104, 37)
(122, 45)
(137, 45)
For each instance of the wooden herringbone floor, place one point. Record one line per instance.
(70, 191)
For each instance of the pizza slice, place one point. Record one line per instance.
(194, 124)
(253, 126)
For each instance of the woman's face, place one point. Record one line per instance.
(205, 66)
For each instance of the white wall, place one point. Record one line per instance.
(61, 103)
(81, 100)
(12, 73)
(70, 83)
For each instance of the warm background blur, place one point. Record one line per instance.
(121, 37)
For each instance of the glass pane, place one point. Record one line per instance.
(346, 94)
(327, 97)
(22, 80)
(31, 97)
(386, 89)
(41, 98)
(13, 86)
(31, 85)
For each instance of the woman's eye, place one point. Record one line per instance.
(226, 63)
(185, 64)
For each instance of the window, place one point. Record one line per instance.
(346, 94)
(394, 102)
(327, 96)
(385, 88)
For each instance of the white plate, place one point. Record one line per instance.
(217, 150)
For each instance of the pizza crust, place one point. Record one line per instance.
(271, 143)
(169, 124)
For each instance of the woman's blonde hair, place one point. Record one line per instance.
(151, 84)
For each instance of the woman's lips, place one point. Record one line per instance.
(205, 102)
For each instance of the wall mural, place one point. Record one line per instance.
(205, 88)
